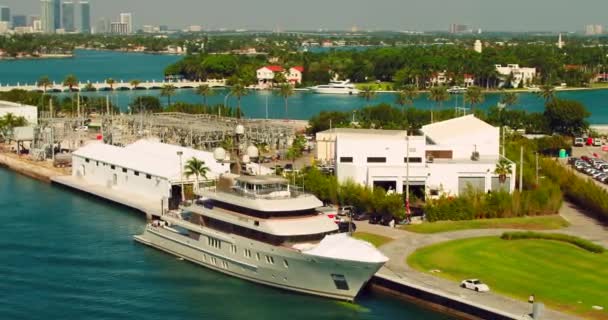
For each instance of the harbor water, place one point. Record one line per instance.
(100, 65)
(66, 255)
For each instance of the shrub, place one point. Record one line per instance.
(579, 242)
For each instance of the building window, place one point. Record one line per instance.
(346, 159)
(136, 173)
(213, 242)
(257, 256)
(247, 253)
(269, 260)
(124, 170)
(285, 263)
(113, 167)
(148, 176)
(233, 248)
(376, 159)
(434, 192)
(413, 160)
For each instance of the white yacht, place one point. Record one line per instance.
(261, 229)
(336, 87)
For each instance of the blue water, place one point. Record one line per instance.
(70, 256)
(88, 66)
(100, 65)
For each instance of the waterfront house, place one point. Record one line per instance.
(146, 169)
(445, 158)
(516, 73)
(266, 75)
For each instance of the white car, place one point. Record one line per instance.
(474, 284)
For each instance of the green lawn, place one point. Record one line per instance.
(374, 239)
(376, 86)
(560, 275)
(524, 223)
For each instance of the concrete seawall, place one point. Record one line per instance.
(436, 300)
(38, 170)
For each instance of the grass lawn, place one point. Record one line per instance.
(376, 86)
(374, 239)
(562, 276)
(524, 223)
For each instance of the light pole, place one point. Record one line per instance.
(181, 174)
(407, 174)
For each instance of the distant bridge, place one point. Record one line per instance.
(117, 86)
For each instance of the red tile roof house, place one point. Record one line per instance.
(265, 75)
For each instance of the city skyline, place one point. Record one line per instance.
(379, 15)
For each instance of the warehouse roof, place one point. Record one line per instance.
(449, 130)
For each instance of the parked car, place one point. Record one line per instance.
(597, 142)
(375, 219)
(343, 226)
(386, 220)
(345, 210)
(474, 284)
(579, 142)
(361, 216)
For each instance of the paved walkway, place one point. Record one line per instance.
(407, 242)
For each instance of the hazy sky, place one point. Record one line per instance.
(507, 15)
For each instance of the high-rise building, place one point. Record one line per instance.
(127, 18)
(85, 17)
(19, 20)
(47, 16)
(459, 28)
(119, 28)
(56, 14)
(5, 14)
(67, 17)
(102, 25)
(594, 29)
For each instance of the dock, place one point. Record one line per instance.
(131, 200)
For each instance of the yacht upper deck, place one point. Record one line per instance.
(261, 193)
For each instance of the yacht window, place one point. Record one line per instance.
(286, 264)
(376, 159)
(148, 176)
(269, 259)
(257, 256)
(213, 242)
(113, 167)
(233, 248)
(340, 281)
(124, 170)
(86, 160)
(136, 173)
(247, 253)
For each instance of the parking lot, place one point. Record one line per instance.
(592, 162)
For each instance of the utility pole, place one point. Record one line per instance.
(407, 172)
(503, 140)
(536, 168)
(521, 168)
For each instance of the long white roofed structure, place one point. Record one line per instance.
(147, 169)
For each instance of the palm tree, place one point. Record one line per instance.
(89, 87)
(197, 168)
(168, 90)
(407, 95)
(475, 96)
(204, 91)
(44, 82)
(503, 169)
(547, 92)
(134, 83)
(439, 95)
(238, 90)
(285, 91)
(111, 83)
(509, 98)
(70, 81)
(367, 93)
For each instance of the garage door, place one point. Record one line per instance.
(497, 186)
(474, 183)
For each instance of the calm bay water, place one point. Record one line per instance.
(69, 256)
(100, 65)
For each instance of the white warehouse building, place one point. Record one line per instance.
(147, 169)
(30, 113)
(448, 157)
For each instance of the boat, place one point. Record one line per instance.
(457, 90)
(261, 229)
(336, 87)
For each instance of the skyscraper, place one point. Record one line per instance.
(67, 18)
(19, 20)
(47, 16)
(56, 14)
(5, 14)
(126, 18)
(85, 17)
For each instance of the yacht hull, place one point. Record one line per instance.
(334, 91)
(274, 266)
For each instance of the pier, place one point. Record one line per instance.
(116, 86)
